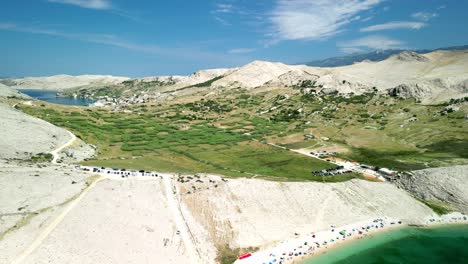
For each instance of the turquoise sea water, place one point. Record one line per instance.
(447, 244)
(50, 96)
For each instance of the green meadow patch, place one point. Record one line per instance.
(150, 142)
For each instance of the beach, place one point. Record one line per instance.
(434, 244)
(299, 249)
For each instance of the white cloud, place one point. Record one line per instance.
(394, 25)
(108, 39)
(112, 40)
(91, 4)
(424, 16)
(224, 8)
(351, 50)
(241, 51)
(314, 19)
(375, 42)
(222, 21)
(104, 5)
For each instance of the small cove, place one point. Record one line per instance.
(51, 97)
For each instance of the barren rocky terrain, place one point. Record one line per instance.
(126, 222)
(23, 136)
(255, 213)
(431, 77)
(31, 196)
(6, 91)
(447, 185)
(60, 82)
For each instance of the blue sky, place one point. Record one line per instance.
(148, 37)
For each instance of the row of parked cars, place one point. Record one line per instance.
(115, 171)
(332, 171)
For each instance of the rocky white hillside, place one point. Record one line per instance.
(61, 82)
(258, 73)
(6, 91)
(182, 81)
(435, 76)
(432, 77)
(445, 186)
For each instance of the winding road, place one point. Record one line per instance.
(56, 152)
(47, 230)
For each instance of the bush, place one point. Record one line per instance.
(42, 157)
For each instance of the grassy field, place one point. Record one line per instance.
(216, 135)
(381, 131)
(176, 143)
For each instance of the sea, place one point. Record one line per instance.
(412, 245)
(50, 96)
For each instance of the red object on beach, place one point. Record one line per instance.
(244, 256)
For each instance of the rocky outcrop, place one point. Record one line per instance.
(410, 56)
(294, 77)
(447, 185)
(9, 92)
(329, 91)
(407, 91)
(436, 90)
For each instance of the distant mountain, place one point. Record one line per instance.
(378, 55)
(436, 76)
(62, 81)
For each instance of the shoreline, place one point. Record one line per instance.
(298, 250)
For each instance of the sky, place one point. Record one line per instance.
(153, 37)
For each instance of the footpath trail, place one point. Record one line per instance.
(45, 233)
(47, 230)
(56, 152)
(174, 205)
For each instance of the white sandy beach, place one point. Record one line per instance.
(297, 249)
